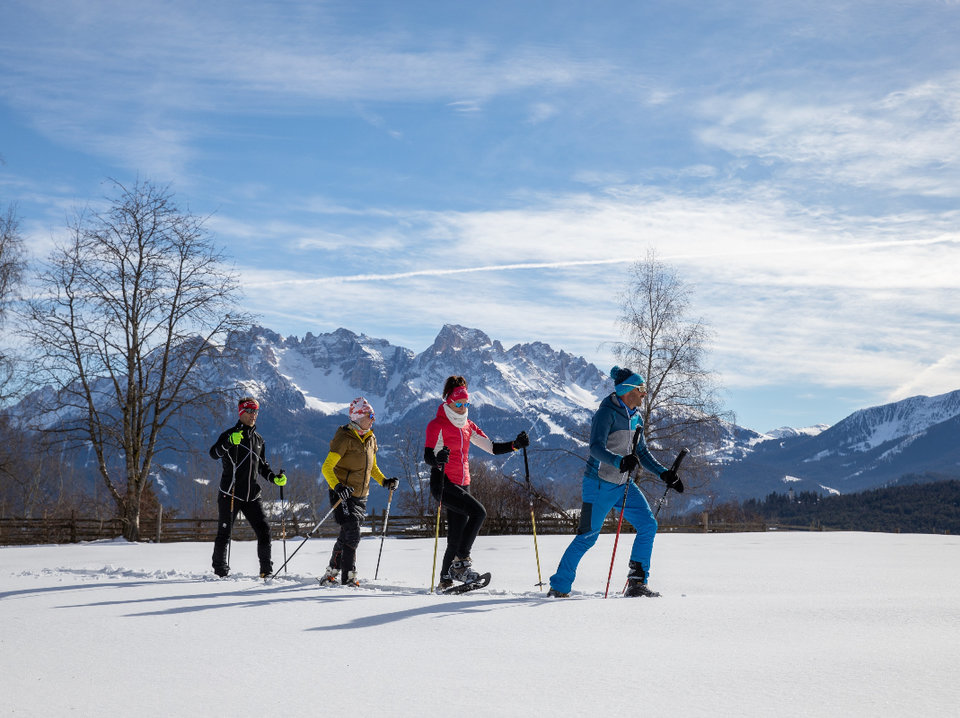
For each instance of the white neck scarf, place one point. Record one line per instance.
(458, 420)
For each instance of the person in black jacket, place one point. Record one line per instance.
(241, 449)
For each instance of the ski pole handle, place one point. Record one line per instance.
(676, 465)
(680, 457)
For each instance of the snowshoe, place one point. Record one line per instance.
(482, 581)
(554, 593)
(331, 577)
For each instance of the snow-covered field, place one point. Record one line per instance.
(775, 624)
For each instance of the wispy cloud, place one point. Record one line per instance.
(907, 141)
(793, 295)
(143, 89)
(391, 171)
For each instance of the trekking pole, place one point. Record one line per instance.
(383, 535)
(626, 488)
(533, 518)
(436, 533)
(230, 528)
(332, 508)
(676, 465)
(283, 527)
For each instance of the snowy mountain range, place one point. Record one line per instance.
(305, 385)
(901, 442)
(553, 395)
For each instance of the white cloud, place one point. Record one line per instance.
(793, 295)
(937, 374)
(907, 141)
(143, 88)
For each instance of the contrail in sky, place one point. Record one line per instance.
(594, 262)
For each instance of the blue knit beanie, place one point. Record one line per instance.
(625, 380)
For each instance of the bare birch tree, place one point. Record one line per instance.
(126, 323)
(668, 347)
(12, 262)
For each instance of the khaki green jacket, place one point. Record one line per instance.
(352, 461)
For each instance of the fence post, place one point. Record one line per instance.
(159, 520)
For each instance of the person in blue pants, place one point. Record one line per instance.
(612, 458)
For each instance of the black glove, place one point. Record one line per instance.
(673, 481)
(522, 441)
(391, 484)
(343, 491)
(443, 455)
(629, 463)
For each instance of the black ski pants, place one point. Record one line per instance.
(253, 510)
(465, 516)
(349, 515)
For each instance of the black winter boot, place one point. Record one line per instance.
(637, 582)
(462, 570)
(330, 577)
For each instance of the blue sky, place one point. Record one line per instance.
(798, 165)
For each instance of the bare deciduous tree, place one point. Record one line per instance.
(414, 492)
(682, 407)
(126, 324)
(12, 262)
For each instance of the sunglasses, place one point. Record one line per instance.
(461, 404)
(249, 411)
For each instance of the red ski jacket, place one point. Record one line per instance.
(441, 432)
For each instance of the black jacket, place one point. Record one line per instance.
(241, 463)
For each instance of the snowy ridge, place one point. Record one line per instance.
(869, 428)
(325, 372)
(786, 432)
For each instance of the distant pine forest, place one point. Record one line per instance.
(932, 505)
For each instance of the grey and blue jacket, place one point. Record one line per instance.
(611, 438)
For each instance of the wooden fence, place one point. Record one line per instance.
(73, 529)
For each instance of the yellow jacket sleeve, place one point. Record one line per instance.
(376, 473)
(327, 468)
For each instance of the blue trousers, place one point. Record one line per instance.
(598, 498)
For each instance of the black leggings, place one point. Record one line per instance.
(465, 516)
(253, 510)
(350, 515)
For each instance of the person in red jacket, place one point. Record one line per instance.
(447, 451)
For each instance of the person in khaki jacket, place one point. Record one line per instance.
(348, 468)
